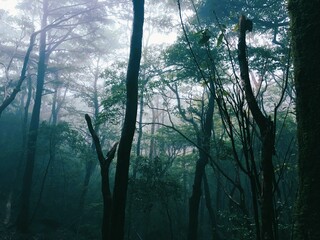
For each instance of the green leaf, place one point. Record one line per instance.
(235, 28)
(220, 38)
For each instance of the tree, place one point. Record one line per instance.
(123, 156)
(266, 127)
(12, 96)
(45, 49)
(23, 217)
(105, 186)
(306, 48)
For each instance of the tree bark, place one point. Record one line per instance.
(105, 185)
(214, 225)
(194, 200)
(23, 217)
(266, 128)
(305, 24)
(122, 169)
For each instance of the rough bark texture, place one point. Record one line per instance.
(266, 128)
(23, 217)
(123, 160)
(305, 25)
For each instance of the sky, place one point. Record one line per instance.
(8, 5)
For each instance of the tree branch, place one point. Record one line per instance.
(261, 120)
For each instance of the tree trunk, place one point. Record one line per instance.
(23, 217)
(200, 170)
(305, 24)
(214, 225)
(22, 154)
(17, 89)
(105, 183)
(122, 169)
(266, 128)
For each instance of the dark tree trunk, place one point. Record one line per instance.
(214, 225)
(122, 169)
(17, 89)
(22, 154)
(137, 159)
(266, 127)
(194, 200)
(140, 127)
(105, 183)
(200, 170)
(23, 217)
(305, 24)
(152, 152)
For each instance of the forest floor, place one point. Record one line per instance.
(9, 233)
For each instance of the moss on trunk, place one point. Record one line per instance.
(305, 25)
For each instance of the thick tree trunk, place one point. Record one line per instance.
(122, 169)
(305, 25)
(23, 217)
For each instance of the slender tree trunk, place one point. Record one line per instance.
(105, 183)
(52, 155)
(23, 217)
(17, 89)
(140, 126)
(22, 154)
(54, 112)
(194, 200)
(122, 169)
(305, 25)
(266, 126)
(214, 225)
(152, 131)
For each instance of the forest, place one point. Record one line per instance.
(159, 120)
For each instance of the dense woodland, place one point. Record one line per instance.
(154, 120)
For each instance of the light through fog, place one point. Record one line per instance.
(157, 38)
(8, 5)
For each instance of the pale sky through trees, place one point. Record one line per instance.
(157, 38)
(8, 5)
(215, 144)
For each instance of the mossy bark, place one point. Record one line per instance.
(305, 25)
